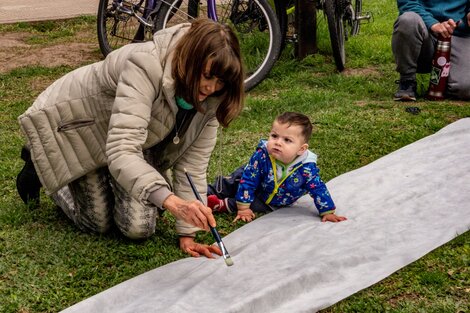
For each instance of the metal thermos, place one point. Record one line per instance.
(440, 70)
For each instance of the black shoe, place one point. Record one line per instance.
(406, 90)
(27, 181)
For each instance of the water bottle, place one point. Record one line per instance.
(440, 70)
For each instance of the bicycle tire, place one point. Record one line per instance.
(116, 29)
(337, 33)
(254, 22)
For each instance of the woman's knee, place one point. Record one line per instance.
(137, 230)
(135, 220)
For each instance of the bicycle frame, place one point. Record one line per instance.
(120, 7)
(152, 6)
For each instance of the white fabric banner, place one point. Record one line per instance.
(399, 208)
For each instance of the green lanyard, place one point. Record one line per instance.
(283, 178)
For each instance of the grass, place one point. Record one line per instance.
(47, 264)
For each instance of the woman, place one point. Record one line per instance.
(109, 141)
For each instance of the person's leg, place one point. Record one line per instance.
(229, 205)
(27, 181)
(226, 186)
(133, 218)
(413, 49)
(221, 194)
(259, 206)
(459, 76)
(88, 201)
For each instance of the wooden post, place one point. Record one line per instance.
(306, 27)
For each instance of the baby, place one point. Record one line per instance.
(281, 170)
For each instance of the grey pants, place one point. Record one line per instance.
(413, 47)
(94, 201)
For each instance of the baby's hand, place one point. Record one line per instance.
(332, 217)
(245, 215)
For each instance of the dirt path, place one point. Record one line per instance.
(12, 11)
(15, 51)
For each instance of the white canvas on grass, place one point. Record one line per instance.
(399, 208)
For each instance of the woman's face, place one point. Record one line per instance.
(209, 84)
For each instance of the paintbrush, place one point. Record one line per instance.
(215, 233)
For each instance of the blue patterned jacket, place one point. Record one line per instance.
(281, 185)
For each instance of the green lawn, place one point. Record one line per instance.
(47, 264)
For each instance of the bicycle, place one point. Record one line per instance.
(126, 21)
(343, 18)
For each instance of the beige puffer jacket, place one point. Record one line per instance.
(109, 112)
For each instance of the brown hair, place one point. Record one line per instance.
(207, 40)
(298, 119)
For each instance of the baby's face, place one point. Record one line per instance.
(286, 142)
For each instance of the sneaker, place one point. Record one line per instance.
(216, 204)
(406, 90)
(27, 181)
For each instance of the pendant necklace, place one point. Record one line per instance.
(176, 139)
(186, 106)
(183, 105)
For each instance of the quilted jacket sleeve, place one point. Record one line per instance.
(137, 89)
(195, 160)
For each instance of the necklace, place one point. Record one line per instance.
(186, 107)
(176, 139)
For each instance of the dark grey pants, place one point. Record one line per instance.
(226, 187)
(413, 48)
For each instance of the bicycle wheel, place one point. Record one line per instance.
(118, 25)
(334, 18)
(253, 21)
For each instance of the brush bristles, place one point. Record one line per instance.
(229, 261)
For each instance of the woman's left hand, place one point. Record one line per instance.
(188, 245)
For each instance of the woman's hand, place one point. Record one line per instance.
(188, 245)
(333, 218)
(244, 213)
(192, 212)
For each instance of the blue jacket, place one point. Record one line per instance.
(435, 11)
(281, 185)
